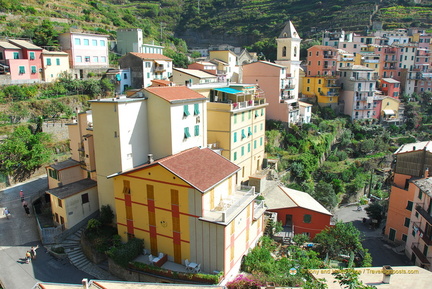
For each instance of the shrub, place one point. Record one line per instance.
(125, 253)
(93, 225)
(106, 215)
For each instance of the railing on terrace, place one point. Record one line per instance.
(329, 56)
(259, 209)
(362, 78)
(360, 107)
(229, 206)
(371, 60)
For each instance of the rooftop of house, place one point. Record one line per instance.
(84, 33)
(162, 82)
(390, 80)
(25, 44)
(266, 63)
(305, 104)
(54, 52)
(425, 185)
(8, 45)
(97, 284)
(322, 47)
(64, 164)
(175, 94)
(150, 56)
(357, 67)
(205, 63)
(411, 147)
(403, 277)
(282, 197)
(195, 73)
(203, 169)
(73, 188)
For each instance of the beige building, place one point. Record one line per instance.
(182, 76)
(55, 63)
(226, 62)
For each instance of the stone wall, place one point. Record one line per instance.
(57, 128)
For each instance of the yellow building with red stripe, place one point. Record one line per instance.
(188, 206)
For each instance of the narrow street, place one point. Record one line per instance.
(18, 234)
(382, 253)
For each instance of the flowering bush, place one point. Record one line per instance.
(244, 282)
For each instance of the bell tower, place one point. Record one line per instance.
(288, 45)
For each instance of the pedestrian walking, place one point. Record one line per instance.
(28, 257)
(24, 204)
(27, 211)
(6, 213)
(21, 195)
(33, 251)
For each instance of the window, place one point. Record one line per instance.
(86, 42)
(94, 42)
(57, 61)
(235, 137)
(242, 116)
(148, 74)
(102, 42)
(77, 41)
(256, 113)
(196, 109)
(53, 174)
(87, 58)
(16, 55)
(262, 111)
(404, 237)
(235, 156)
(33, 69)
(243, 135)
(78, 59)
(103, 59)
(197, 130)
(32, 56)
(84, 198)
(249, 147)
(261, 141)
(59, 203)
(255, 128)
(242, 151)
(48, 61)
(186, 110)
(186, 132)
(21, 69)
(249, 131)
(235, 118)
(255, 144)
(407, 222)
(95, 59)
(148, 64)
(409, 206)
(307, 218)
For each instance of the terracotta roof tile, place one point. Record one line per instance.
(173, 93)
(203, 169)
(150, 56)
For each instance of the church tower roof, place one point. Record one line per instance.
(289, 31)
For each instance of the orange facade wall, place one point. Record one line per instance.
(319, 221)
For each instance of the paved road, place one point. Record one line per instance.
(382, 253)
(18, 234)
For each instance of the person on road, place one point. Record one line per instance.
(33, 251)
(6, 212)
(21, 195)
(28, 257)
(27, 211)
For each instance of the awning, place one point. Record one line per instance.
(159, 62)
(229, 90)
(388, 111)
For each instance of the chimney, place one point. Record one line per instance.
(150, 158)
(85, 283)
(387, 272)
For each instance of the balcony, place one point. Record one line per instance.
(361, 78)
(371, 61)
(423, 259)
(329, 56)
(390, 60)
(365, 107)
(424, 214)
(229, 207)
(288, 87)
(159, 68)
(332, 93)
(328, 67)
(259, 209)
(347, 59)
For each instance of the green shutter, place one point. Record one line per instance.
(243, 135)
(32, 55)
(242, 151)
(249, 131)
(186, 132)
(16, 55)
(409, 206)
(255, 142)
(186, 110)
(21, 70)
(33, 69)
(196, 109)
(197, 130)
(235, 137)
(249, 147)
(235, 156)
(58, 61)
(256, 113)
(48, 61)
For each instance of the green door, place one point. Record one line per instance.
(392, 234)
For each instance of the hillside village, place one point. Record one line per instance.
(179, 154)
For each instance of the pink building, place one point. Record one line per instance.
(204, 66)
(278, 87)
(390, 87)
(321, 60)
(85, 50)
(22, 60)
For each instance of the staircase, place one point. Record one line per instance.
(72, 246)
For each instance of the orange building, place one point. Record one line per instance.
(412, 160)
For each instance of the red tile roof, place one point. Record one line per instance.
(150, 56)
(203, 169)
(173, 93)
(161, 81)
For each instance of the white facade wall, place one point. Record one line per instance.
(89, 51)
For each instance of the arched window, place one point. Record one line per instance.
(284, 51)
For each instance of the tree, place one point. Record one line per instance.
(44, 34)
(325, 194)
(343, 238)
(23, 152)
(375, 211)
(348, 279)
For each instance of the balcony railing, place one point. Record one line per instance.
(329, 56)
(371, 60)
(259, 209)
(360, 107)
(229, 207)
(160, 68)
(424, 214)
(361, 78)
(423, 259)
